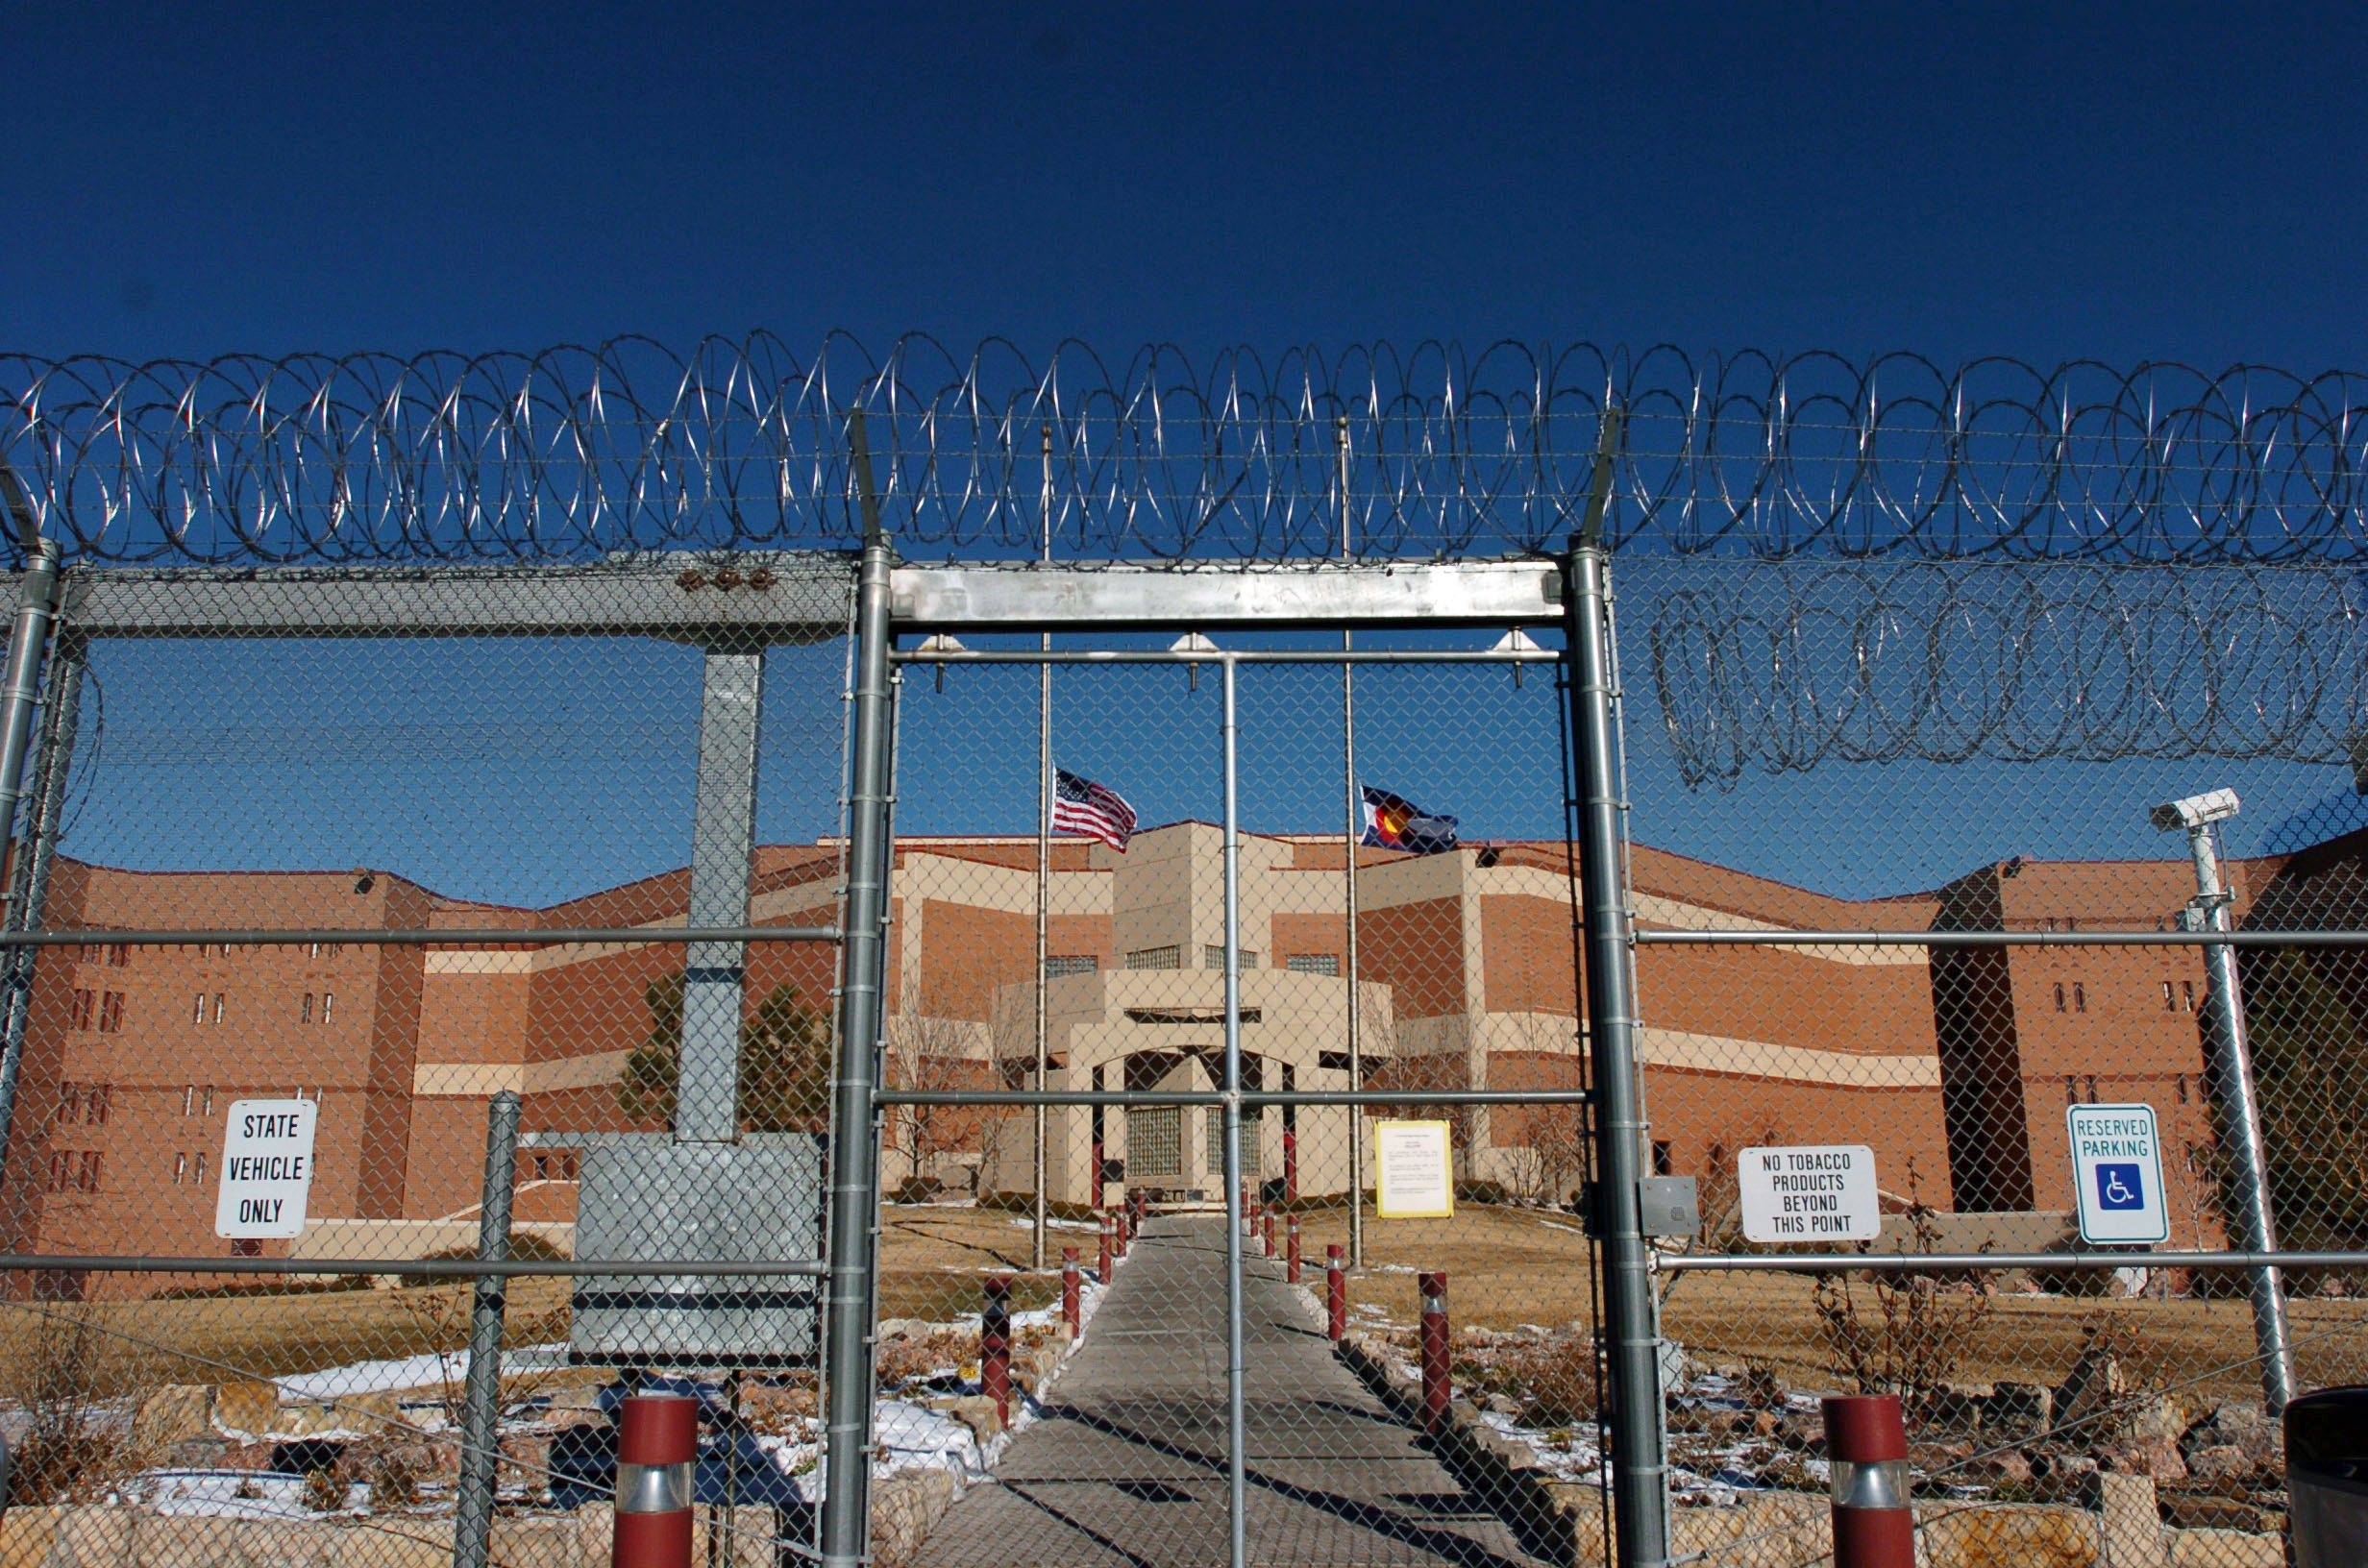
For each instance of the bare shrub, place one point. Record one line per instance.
(1903, 1334)
(73, 1447)
(1554, 1380)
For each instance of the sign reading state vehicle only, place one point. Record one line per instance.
(1810, 1192)
(266, 1169)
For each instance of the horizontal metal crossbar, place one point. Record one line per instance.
(1210, 1096)
(789, 597)
(458, 1268)
(1501, 593)
(1221, 655)
(468, 937)
(2001, 938)
(1920, 1263)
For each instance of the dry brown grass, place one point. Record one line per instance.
(265, 1336)
(1506, 1267)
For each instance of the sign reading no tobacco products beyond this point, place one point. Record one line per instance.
(266, 1169)
(1809, 1193)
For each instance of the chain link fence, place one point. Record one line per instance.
(1268, 971)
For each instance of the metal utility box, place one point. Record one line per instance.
(1669, 1206)
(757, 1200)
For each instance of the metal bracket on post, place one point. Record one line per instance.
(854, 1154)
(481, 1433)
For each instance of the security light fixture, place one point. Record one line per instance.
(2195, 811)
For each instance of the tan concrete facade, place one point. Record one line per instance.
(1955, 1069)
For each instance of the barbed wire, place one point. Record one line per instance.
(578, 453)
(1782, 667)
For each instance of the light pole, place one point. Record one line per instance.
(2232, 1064)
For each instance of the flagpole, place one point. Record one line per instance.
(1044, 865)
(1356, 1006)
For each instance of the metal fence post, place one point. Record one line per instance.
(1639, 1466)
(854, 1155)
(2232, 1062)
(1237, 1363)
(29, 878)
(36, 607)
(481, 1425)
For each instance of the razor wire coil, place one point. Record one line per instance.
(574, 453)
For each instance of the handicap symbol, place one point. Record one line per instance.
(2118, 1186)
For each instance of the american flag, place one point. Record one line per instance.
(1079, 805)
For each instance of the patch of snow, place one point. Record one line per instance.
(227, 1494)
(407, 1372)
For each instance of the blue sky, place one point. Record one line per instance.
(2119, 183)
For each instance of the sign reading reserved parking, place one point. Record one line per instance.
(1809, 1193)
(266, 1169)
(2117, 1171)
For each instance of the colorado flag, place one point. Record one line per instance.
(1392, 821)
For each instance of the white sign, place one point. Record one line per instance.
(1809, 1193)
(1413, 1172)
(2117, 1172)
(266, 1169)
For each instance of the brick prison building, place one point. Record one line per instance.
(1953, 1066)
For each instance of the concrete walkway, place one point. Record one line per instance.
(1128, 1465)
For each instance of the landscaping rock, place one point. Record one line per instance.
(2097, 1382)
(2191, 1511)
(1997, 1535)
(904, 1508)
(171, 1415)
(2009, 1468)
(2218, 1460)
(978, 1412)
(2017, 1407)
(246, 1409)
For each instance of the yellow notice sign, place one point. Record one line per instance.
(1414, 1177)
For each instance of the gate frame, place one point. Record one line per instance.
(1333, 597)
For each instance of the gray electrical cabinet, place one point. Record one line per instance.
(757, 1200)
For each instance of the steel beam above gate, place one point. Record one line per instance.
(1323, 595)
(748, 600)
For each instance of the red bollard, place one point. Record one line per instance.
(1266, 1222)
(1069, 1283)
(1290, 1253)
(1434, 1289)
(1867, 1444)
(1335, 1290)
(656, 1448)
(995, 1346)
(1121, 1227)
(1104, 1265)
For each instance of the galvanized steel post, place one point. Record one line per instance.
(2232, 1062)
(854, 1154)
(1237, 1364)
(36, 607)
(481, 1433)
(29, 877)
(1639, 1467)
